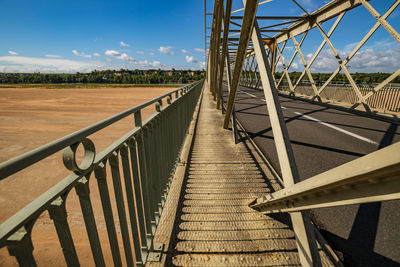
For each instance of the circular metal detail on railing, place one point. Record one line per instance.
(69, 156)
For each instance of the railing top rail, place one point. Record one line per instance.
(20, 162)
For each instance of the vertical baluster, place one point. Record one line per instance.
(160, 153)
(151, 168)
(131, 203)
(82, 190)
(391, 98)
(162, 133)
(20, 246)
(101, 177)
(58, 214)
(114, 163)
(145, 191)
(139, 198)
(147, 181)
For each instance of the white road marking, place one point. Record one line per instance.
(249, 94)
(338, 129)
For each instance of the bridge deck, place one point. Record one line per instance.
(214, 225)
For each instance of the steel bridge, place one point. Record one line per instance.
(233, 170)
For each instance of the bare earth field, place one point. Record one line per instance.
(31, 117)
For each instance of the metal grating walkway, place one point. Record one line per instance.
(216, 226)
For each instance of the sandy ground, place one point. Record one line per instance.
(30, 117)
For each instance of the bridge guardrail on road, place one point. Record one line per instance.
(147, 156)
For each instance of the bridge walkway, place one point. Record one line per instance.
(214, 225)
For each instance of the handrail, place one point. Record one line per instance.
(20, 162)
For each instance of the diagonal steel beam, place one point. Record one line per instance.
(330, 10)
(374, 177)
(339, 18)
(285, 70)
(297, 47)
(360, 44)
(294, 55)
(381, 20)
(344, 68)
(382, 84)
(247, 26)
(225, 24)
(211, 54)
(218, 45)
(304, 232)
(229, 81)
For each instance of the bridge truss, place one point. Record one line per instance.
(248, 50)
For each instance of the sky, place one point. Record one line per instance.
(80, 36)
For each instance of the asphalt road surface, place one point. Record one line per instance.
(323, 138)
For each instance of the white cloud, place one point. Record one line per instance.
(382, 56)
(123, 44)
(32, 64)
(118, 55)
(166, 50)
(151, 54)
(185, 51)
(309, 5)
(13, 53)
(52, 56)
(190, 59)
(96, 54)
(199, 50)
(140, 52)
(202, 64)
(76, 53)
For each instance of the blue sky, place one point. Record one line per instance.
(70, 36)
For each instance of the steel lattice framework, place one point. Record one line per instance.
(243, 52)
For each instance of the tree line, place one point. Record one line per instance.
(122, 76)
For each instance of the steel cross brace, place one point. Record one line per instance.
(344, 68)
(305, 239)
(290, 62)
(285, 69)
(225, 24)
(247, 26)
(319, 50)
(359, 45)
(297, 47)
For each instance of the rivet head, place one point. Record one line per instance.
(259, 259)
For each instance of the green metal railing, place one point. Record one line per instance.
(147, 156)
